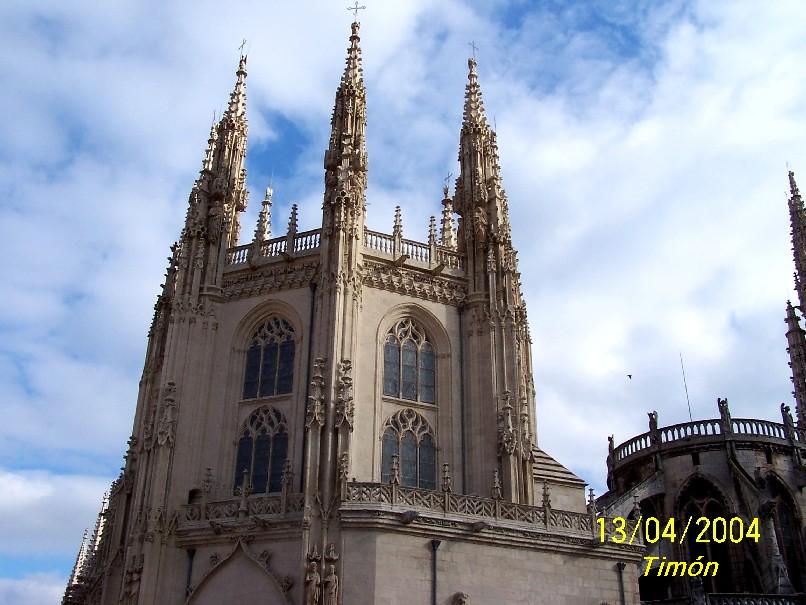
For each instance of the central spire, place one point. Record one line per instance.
(346, 157)
(353, 73)
(474, 105)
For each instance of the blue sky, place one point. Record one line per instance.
(643, 148)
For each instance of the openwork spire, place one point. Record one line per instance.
(797, 218)
(353, 72)
(796, 341)
(346, 156)
(236, 109)
(474, 105)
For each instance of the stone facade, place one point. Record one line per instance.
(342, 415)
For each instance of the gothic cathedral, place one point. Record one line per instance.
(344, 416)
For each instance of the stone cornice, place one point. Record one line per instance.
(270, 278)
(411, 282)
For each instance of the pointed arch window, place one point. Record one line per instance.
(700, 498)
(270, 360)
(262, 451)
(408, 436)
(409, 364)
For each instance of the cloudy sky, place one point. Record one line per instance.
(644, 149)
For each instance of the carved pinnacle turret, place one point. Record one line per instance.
(346, 156)
(797, 219)
(796, 341)
(263, 227)
(447, 232)
(397, 226)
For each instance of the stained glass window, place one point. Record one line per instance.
(262, 451)
(270, 360)
(409, 436)
(409, 366)
(391, 367)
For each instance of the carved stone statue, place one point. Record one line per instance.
(460, 598)
(653, 421)
(331, 586)
(312, 584)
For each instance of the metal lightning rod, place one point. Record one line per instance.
(685, 386)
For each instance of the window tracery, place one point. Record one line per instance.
(409, 436)
(262, 450)
(409, 370)
(270, 360)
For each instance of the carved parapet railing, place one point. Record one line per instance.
(191, 514)
(273, 247)
(758, 428)
(634, 445)
(735, 599)
(700, 431)
(238, 254)
(416, 252)
(755, 599)
(391, 496)
(304, 243)
(450, 258)
(684, 430)
(307, 241)
(380, 242)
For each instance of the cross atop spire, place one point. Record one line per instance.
(355, 9)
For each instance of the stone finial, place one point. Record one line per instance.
(293, 222)
(498, 493)
(591, 502)
(447, 231)
(207, 482)
(447, 482)
(546, 495)
(432, 231)
(207, 163)
(288, 474)
(263, 227)
(397, 227)
(395, 478)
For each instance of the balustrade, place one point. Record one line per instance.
(375, 240)
(740, 428)
(231, 508)
(475, 506)
(755, 427)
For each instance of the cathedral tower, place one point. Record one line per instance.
(320, 410)
(795, 336)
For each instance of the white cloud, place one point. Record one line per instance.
(33, 589)
(46, 513)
